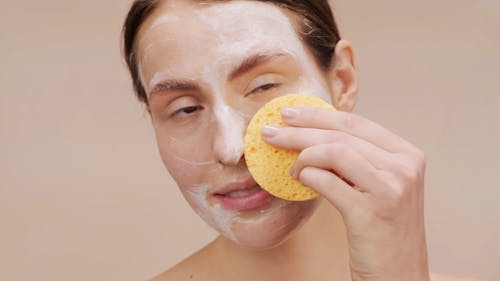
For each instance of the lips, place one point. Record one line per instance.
(242, 196)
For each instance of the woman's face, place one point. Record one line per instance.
(207, 68)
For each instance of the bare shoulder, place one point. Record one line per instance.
(441, 277)
(192, 268)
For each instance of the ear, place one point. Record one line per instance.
(343, 79)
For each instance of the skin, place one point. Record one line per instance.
(208, 141)
(370, 224)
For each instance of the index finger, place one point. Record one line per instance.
(327, 119)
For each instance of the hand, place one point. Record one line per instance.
(373, 177)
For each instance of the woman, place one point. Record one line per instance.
(203, 69)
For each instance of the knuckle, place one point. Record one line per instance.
(290, 135)
(281, 133)
(335, 136)
(313, 114)
(337, 149)
(331, 138)
(350, 121)
(396, 196)
(395, 190)
(410, 170)
(421, 158)
(409, 174)
(418, 157)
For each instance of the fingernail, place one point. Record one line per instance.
(289, 113)
(269, 131)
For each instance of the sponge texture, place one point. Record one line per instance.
(269, 165)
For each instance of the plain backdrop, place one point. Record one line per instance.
(83, 193)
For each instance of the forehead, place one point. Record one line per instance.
(189, 34)
(234, 20)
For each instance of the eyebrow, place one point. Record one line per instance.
(242, 68)
(252, 62)
(174, 85)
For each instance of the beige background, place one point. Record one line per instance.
(83, 195)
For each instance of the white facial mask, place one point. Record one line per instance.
(202, 44)
(234, 225)
(230, 36)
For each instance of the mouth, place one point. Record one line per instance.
(242, 196)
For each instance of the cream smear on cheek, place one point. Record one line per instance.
(276, 32)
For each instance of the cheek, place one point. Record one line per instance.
(185, 171)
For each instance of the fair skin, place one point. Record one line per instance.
(369, 224)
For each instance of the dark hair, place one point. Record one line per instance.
(316, 27)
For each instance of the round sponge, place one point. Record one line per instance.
(269, 165)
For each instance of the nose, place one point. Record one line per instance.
(228, 142)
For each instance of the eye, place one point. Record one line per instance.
(263, 88)
(187, 111)
(263, 83)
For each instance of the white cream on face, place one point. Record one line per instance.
(230, 132)
(226, 33)
(213, 215)
(230, 223)
(275, 32)
(236, 33)
(231, 32)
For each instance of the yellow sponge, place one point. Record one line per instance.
(269, 165)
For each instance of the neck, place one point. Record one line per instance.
(317, 251)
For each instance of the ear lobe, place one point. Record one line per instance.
(343, 77)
